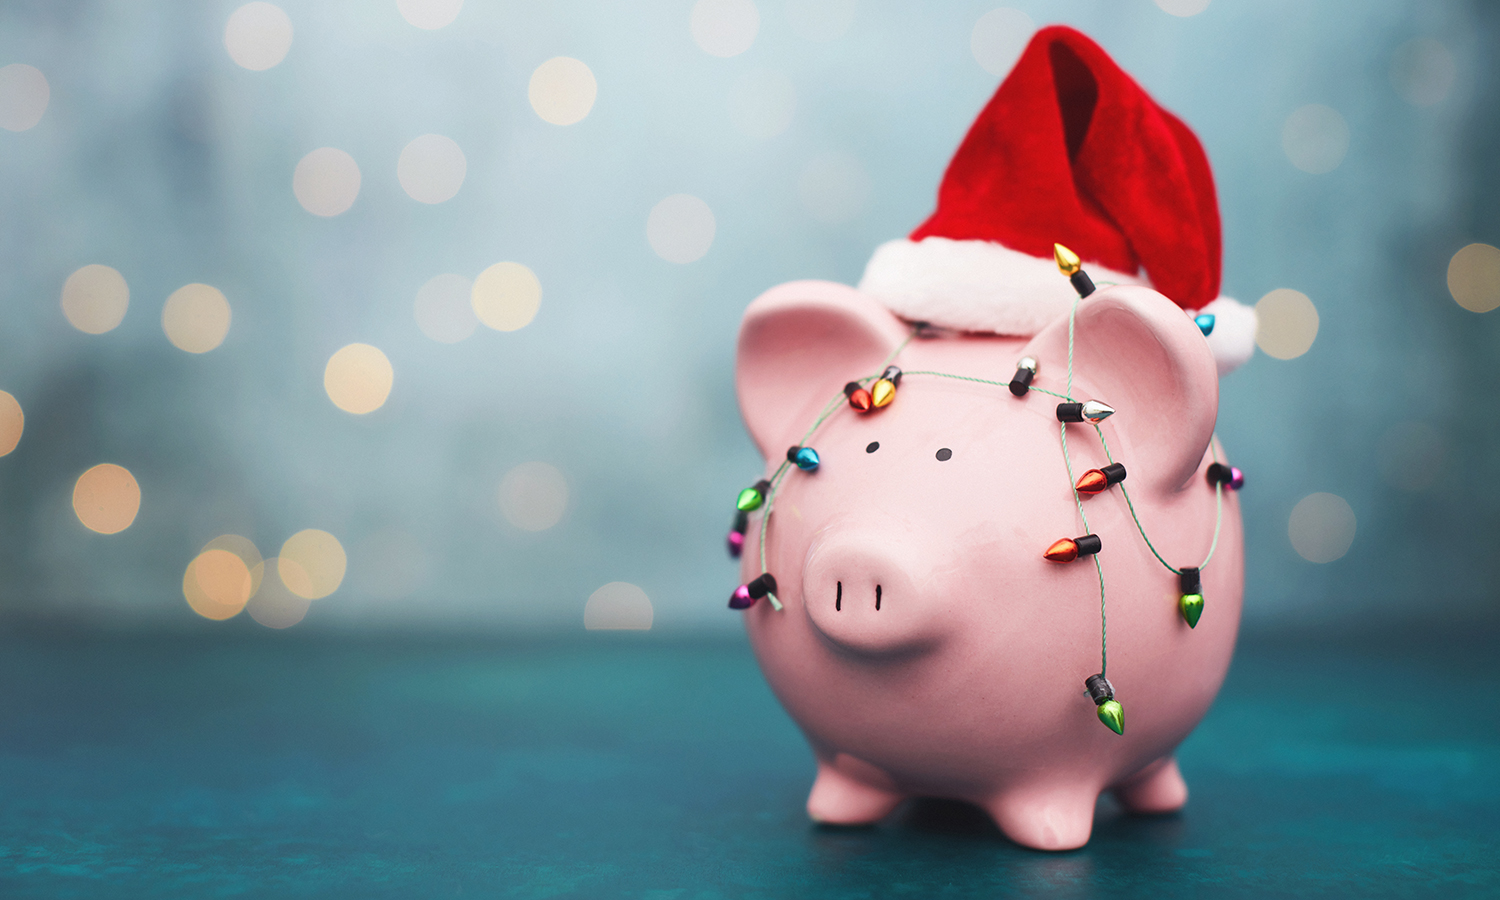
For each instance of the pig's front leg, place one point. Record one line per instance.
(838, 798)
(1046, 817)
(1158, 788)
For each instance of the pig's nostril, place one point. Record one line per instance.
(838, 599)
(877, 598)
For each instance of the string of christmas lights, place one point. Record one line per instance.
(870, 393)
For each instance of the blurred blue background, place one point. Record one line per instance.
(1354, 147)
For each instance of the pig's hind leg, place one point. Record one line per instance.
(1158, 788)
(1046, 817)
(839, 799)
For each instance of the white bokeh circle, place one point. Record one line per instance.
(681, 228)
(258, 36)
(431, 168)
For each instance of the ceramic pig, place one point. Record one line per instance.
(925, 647)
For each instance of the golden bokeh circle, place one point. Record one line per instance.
(274, 606)
(618, 606)
(12, 423)
(358, 378)
(196, 318)
(562, 90)
(506, 296)
(1286, 323)
(217, 584)
(24, 94)
(94, 298)
(106, 498)
(1321, 527)
(1474, 277)
(312, 564)
(245, 549)
(534, 496)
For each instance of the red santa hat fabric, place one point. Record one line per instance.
(1069, 150)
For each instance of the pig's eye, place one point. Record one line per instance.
(944, 455)
(872, 447)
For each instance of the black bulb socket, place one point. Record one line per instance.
(1022, 382)
(1089, 544)
(765, 584)
(1082, 283)
(1070, 412)
(1189, 581)
(850, 388)
(1100, 690)
(1114, 473)
(1218, 473)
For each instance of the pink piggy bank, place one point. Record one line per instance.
(925, 646)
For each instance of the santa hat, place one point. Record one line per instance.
(1070, 150)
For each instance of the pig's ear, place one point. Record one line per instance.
(800, 343)
(1138, 352)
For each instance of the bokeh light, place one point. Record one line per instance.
(1183, 8)
(1321, 527)
(533, 496)
(681, 228)
(258, 36)
(245, 549)
(23, 96)
(1315, 138)
(820, 20)
(429, 14)
(326, 181)
(1423, 71)
(312, 564)
(95, 298)
(998, 38)
(196, 318)
(1474, 277)
(12, 422)
(506, 296)
(761, 103)
(444, 309)
(217, 584)
(106, 498)
(1286, 323)
(431, 168)
(358, 378)
(724, 27)
(1411, 456)
(618, 606)
(274, 605)
(562, 90)
(834, 188)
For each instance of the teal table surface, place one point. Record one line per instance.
(230, 763)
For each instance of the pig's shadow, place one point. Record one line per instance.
(955, 818)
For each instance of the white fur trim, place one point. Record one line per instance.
(981, 286)
(1233, 340)
(972, 285)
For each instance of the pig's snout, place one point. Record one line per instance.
(865, 593)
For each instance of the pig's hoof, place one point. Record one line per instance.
(1158, 789)
(838, 799)
(1046, 819)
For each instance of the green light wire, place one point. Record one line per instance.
(1218, 510)
(781, 470)
(833, 404)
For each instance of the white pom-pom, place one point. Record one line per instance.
(1233, 338)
